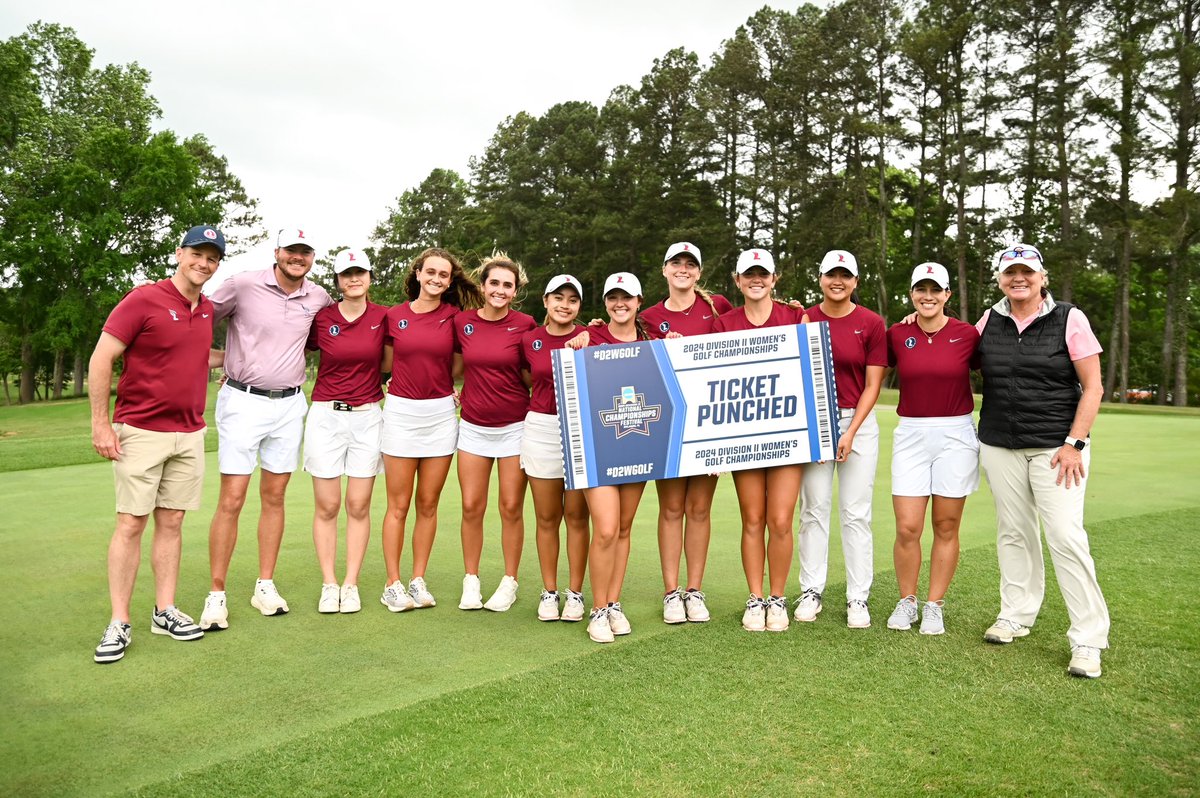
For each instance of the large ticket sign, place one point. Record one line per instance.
(698, 405)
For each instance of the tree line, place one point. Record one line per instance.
(938, 130)
(92, 201)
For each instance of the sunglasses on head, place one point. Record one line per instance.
(1019, 253)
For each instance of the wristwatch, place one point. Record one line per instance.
(1078, 443)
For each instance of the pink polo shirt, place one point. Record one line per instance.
(268, 328)
(1081, 341)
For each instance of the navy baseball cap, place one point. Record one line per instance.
(204, 234)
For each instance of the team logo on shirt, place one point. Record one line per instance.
(630, 413)
(537, 345)
(335, 330)
(174, 315)
(910, 342)
(666, 325)
(402, 324)
(469, 328)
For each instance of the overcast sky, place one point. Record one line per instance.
(328, 111)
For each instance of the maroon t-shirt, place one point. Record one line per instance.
(696, 320)
(350, 354)
(423, 351)
(164, 385)
(859, 340)
(935, 374)
(781, 316)
(536, 346)
(493, 393)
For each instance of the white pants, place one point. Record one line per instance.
(856, 488)
(1022, 483)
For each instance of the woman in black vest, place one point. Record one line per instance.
(1041, 391)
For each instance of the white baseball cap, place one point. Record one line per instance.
(292, 236)
(1018, 254)
(683, 246)
(351, 259)
(755, 257)
(558, 281)
(931, 271)
(839, 259)
(623, 281)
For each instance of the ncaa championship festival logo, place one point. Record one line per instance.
(630, 413)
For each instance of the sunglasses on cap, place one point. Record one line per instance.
(1020, 253)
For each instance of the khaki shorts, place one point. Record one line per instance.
(158, 469)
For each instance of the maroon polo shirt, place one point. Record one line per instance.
(536, 346)
(696, 320)
(859, 340)
(493, 393)
(164, 386)
(350, 354)
(423, 351)
(935, 373)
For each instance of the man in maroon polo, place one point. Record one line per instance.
(156, 437)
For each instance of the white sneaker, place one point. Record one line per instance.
(931, 618)
(1085, 661)
(574, 607)
(598, 628)
(504, 597)
(808, 606)
(349, 601)
(331, 598)
(857, 614)
(420, 595)
(216, 614)
(548, 606)
(395, 598)
(472, 597)
(777, 614)
(673, 609)
(697, 610)
(617, 621)
(754, 619)
(1004, 630)
(266, 598)
(905, 614)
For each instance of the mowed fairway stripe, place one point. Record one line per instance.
(819, 709)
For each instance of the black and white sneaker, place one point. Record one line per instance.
(173, 623)
(112, 646)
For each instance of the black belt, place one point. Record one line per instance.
(280, 394)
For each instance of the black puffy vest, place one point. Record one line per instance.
(1030, 388)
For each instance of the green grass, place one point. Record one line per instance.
(445, 702)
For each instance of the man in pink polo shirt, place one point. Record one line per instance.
(260, 410)
(164, 333)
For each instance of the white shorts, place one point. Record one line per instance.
(343, 442)
(490, 441)
(257, 429)
(419, 427)
(541, 447)
(935, 457)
